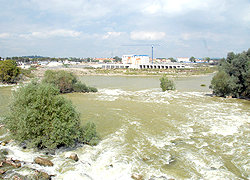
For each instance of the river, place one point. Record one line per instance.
(183, 134)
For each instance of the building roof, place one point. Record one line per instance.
(135, 55)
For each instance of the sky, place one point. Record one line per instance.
(98, 28)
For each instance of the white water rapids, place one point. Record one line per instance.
(181, 134)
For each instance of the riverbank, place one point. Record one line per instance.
(198, 71)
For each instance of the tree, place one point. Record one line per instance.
(192, 59)
(45, 119)
(236, 72)
(9, 71)
(220, 84)
(207, 59)
(88, 59)
(172, 59)
(117, 59)
(166, 84)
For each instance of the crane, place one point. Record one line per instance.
(152, 45)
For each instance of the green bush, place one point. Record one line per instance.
(9, 71)
(166, 84)
(39, 115)
(92, 89)
(66, 82)
(80, 87)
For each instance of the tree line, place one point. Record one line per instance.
(41, 58)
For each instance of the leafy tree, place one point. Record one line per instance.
(66, 82)
(9, 71)
(192, 59)
(88, 59)
(207, 59)
(221, 84)
(172, 59)
(166, 84)
(117, 59)
(45, 119)
(235, 70)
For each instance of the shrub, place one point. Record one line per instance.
(92, 89)
(66, 82)
(166, 84)
(39, 115)
(80, 87)
(9, 71)
(27, 72)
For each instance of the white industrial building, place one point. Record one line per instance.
(135, 59)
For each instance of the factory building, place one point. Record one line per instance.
(135, 59)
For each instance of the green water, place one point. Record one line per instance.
(182, 134)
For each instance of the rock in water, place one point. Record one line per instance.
(136, 177)
(44, 162)
(72, 156)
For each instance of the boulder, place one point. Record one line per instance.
(145, 159)
(3, 143)
(44, 162)
(2, 171)
(41, 175)
(12, 162)
(72, 156)
(136, 176)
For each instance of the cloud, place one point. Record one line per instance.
(5, 35)
(77, 9)
(111, 34)
(170, 7)
(53, 33)
(143, 35)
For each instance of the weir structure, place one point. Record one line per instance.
(143, 66)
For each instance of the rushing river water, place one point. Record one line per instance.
(184, 134)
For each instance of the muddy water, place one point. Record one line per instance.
(182, 134)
